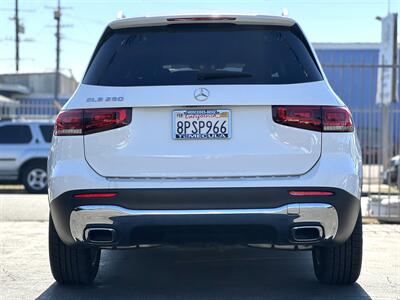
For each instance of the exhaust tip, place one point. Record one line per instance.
(307, 234)
(100, 235)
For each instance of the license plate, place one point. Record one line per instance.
(202, 124)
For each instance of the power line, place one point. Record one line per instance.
(85, 19)
(13, 9)
(26, 58)
(78, 41)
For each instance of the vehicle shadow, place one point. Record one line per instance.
(233, 273)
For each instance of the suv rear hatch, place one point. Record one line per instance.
(240, 70)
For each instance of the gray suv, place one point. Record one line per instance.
(24, 146)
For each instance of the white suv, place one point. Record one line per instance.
(205, 129)
(24, 147)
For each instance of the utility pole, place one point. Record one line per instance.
(57, 13)
(17, 29)
(57, 17)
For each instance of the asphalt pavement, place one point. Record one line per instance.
(191, 273)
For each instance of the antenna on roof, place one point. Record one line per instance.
(120, 15)
(285, 12)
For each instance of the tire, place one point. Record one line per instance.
(34, 177)
(340, 264)
(72, 264)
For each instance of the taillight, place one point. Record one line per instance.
(336, 119)
(97, 120)
(317, 118)
(69, 123)
(87, 121)
(306, 117)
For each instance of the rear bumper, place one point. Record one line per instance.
(226, 215)
(321, 218)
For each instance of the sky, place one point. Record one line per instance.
(83, 21)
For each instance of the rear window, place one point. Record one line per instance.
(202, 54)
(47, 132)
(15, 134)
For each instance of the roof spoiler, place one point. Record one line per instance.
(212, 18)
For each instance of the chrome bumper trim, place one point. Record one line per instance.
(320, 213)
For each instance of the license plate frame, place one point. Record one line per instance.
(202, 115)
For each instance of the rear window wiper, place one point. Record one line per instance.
(221, 74)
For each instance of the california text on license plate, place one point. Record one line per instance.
(202, 124)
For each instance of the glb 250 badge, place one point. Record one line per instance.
(105, 99)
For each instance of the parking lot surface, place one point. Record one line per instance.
(192, 273)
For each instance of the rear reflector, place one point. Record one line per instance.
(87, 121)
(216, 18)
(311, 193)
(96, 195)
(317, 118)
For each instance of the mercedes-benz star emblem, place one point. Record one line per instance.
(201, 94)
